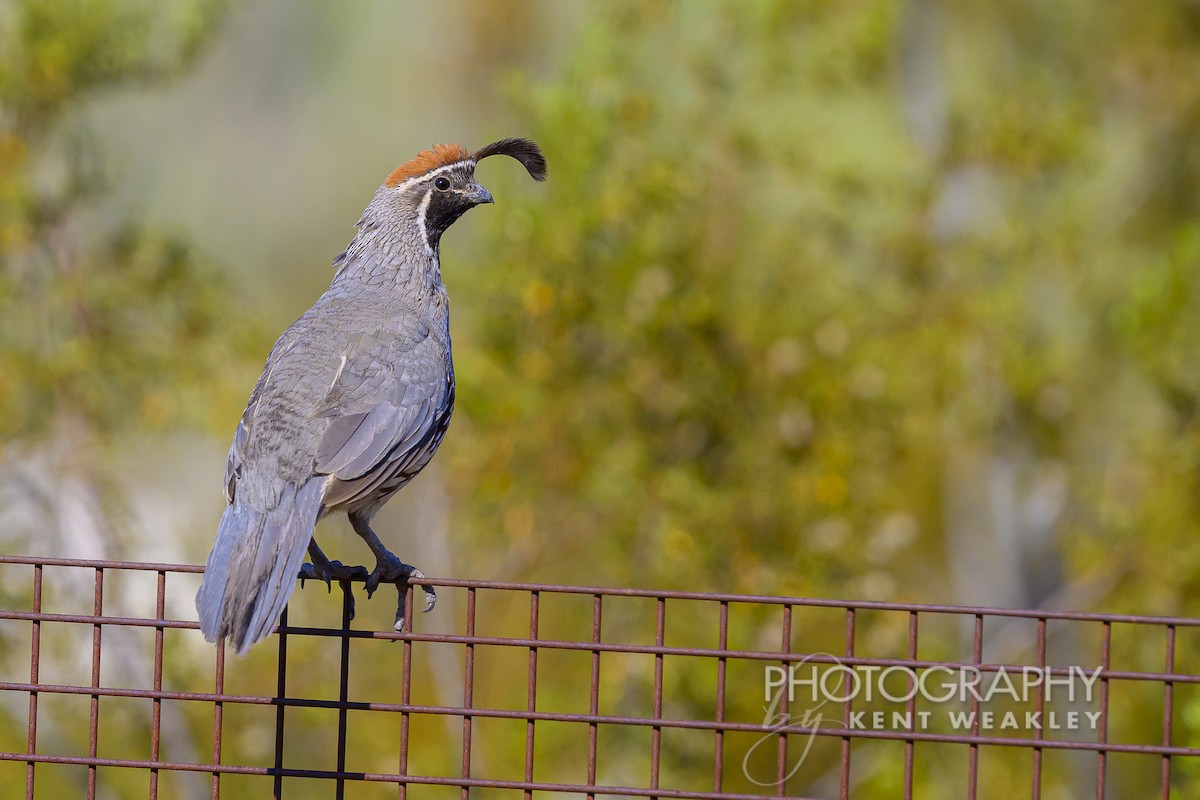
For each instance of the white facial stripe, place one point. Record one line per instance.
(421, 209)
(423, 176)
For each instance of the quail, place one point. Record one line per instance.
(353, 401)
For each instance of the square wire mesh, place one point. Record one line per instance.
(109, 690)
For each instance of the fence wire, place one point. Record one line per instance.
(586, 691)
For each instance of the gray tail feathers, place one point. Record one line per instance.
(252, 568)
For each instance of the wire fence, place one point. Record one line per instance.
(587, 691)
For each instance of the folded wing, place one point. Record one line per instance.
(387, 414)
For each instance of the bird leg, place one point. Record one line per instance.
(390, 569)
(322, 569)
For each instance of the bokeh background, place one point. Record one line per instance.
(874, 300)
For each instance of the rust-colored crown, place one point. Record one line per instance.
(439, 156)
(523, 150)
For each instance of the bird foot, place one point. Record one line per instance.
(390, 569)
(330, 571)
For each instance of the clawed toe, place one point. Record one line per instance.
(430, 598)
(389, 569)
(331, 571)
(430, 594)
(315, 572)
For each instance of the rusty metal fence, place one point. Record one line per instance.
(585, 691)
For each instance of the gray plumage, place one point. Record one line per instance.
(353, 401)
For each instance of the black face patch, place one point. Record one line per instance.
(444, 208)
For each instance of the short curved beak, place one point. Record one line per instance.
(477, 195)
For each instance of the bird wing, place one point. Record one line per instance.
(387, 407)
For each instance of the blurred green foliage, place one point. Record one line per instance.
(756, 313)
(771, 303)
(104, 322)
(805, 279)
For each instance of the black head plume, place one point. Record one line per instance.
(522, 150)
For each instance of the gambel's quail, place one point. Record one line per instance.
(353, 402)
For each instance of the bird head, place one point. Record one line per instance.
(438, 185)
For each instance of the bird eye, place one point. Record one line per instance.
(442, 184)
